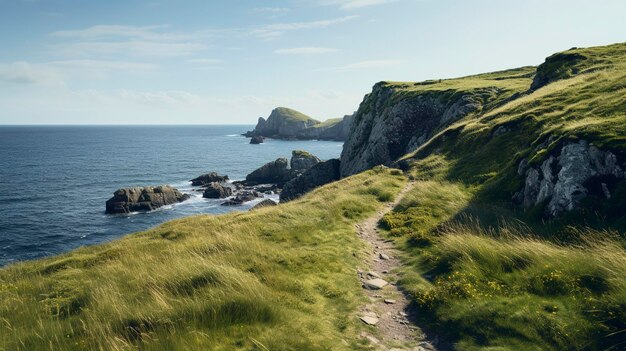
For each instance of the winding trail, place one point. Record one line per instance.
(388, 313)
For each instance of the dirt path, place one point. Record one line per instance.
(388, 312)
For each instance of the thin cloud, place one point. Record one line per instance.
(130, 40)
(106, 65)
(27, 73)
(277, 29)
(304, 51)
(355, 4)
(369, 64)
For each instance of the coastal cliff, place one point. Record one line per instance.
(286, 123)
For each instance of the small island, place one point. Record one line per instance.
(289, 124)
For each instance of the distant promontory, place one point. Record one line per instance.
(286, 123)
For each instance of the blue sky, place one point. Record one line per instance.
(229, 62)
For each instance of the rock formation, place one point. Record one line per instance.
(257, 139)
(285, 123)
(302, 160)
(562, 181)
(320, 174)
(275, 172)
(209, 178)
(264, 203)
(216, 190)
(385, 128)
(281, 170)
(143, 199)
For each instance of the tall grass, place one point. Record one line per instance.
(278, 278)
(498, 285)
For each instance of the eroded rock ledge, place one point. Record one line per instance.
(148, 198)
(564, 179)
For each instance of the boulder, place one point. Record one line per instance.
(257, 140)
(561, 181)
(148, 198)
(264, 203)
(320, 174)
(275, 172)
(209, 178)
(242, 197)
(216, 190)
(302, 160)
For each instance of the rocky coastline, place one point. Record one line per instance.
(300, 174)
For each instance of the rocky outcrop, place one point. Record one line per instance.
(561, 181)
(320, 174)
(143, 199)
(209, 178)
(387, 127)
(257, 140)
(281, 170)
(264, 203)
(559, 66)
(302, 160)
(286, 123)
(275, 172)
(216, 190)
(240, 198)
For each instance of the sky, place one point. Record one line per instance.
(229, 62)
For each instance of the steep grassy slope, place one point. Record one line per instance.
(280, 278)
(494, 276)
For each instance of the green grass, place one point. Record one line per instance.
(489, 275)
(496, 285)
(280, 278)
(293, 115)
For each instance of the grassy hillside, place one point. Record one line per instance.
(491, 275)
(482, 272)
(293, 115)
(280, 278)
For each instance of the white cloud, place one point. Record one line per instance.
(130, 40)
(304, 51)
(205, 61)
(273, 11)
(277, 29)
(27, 73)
(355, 4)
(369, 64)
(105, 65)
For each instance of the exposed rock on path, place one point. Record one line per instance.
(388, 310)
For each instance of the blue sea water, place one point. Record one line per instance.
(55, 180)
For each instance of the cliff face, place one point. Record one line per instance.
(395, 120)
(547, 140)
(286, 123)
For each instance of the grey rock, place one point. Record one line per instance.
(302, 160)
(217, 191)
(245, 196)
(208, 178)
(369, 320)
(257, 139)
(275, 172)
(375, 284)
(384, 129)
(148, 198)
(264, 203)
(320, 174)
(562, 181)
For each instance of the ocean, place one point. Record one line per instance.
(55, 180)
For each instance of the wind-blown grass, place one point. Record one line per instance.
(279, 278)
